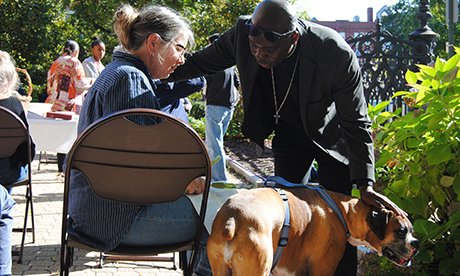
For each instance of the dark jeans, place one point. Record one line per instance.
(202, 266)
(294, 154)
(60, 160)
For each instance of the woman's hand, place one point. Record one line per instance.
(196, 186)
(371, 197)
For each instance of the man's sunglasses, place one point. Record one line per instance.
(270, 36)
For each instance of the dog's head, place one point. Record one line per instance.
(394, 234)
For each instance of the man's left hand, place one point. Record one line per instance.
(371, 197)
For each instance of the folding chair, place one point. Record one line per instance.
(168, 154)
(13, 133)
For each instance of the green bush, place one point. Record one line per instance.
(234, 128)
(198, 110)
(418, 161)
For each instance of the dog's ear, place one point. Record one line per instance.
(378, 221)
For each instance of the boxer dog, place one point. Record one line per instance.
(246, 231)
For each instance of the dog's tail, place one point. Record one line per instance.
(229, 230)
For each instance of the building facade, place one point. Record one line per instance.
(351, 28)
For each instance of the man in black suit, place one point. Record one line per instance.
(302, 81)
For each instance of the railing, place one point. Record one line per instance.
(385, 58)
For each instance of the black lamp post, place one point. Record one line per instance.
(424, 33)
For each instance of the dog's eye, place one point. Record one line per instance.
(401, 232)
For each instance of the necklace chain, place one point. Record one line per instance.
(277, 109)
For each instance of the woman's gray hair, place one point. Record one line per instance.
(8, 74)
(133, 27)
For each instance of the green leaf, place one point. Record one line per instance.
(439, 196)
(454, 233)
(215, 160)
(414, 183)
(439, 154)
(419, 87)
(456, 186)
(439, 251)
(447, 266)
(451, 76)
(413, 205)
(437, 231)
(424, 226)
(455, 217)
(384, 116)
(424, 97)
(437, 117)
(381, 106)
(400, 93)
(424, 257)
(452, 63)
(447, 181)
(223, 185)
(411, 77)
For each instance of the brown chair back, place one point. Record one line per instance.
(139, 164)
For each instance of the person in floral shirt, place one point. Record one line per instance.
(67, 84)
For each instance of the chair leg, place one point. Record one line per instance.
(101, 260)
(184, 264)
(39, 160)
(32, 216)
(25, 229)
(68, 261)
(174, 261)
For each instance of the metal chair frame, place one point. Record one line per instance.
(114, 149)
(13, 133)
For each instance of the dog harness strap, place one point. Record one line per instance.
(334, 207)
(319, 189)
(285, 231)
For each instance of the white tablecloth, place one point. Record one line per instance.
(48, 134)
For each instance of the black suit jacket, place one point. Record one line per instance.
(331, 94)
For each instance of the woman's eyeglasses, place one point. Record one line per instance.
(270, 36)
(179, 47)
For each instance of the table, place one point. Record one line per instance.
(49, 134)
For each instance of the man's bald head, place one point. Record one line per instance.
(274, 15)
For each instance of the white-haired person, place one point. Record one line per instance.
(15, 167)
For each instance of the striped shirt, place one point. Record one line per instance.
(125, 83)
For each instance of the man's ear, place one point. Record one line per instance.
(295, 37)
(378, 221)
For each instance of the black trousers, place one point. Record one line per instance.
(60, 160)
(294, 154)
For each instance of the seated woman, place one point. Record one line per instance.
(14, 168)
(155, 41)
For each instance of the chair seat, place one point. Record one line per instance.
(73, 241)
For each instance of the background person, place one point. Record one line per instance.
(66, 86)
(155, 40)
(14, 168)
(92, 65)
(302, 81)
(171, 96)
(66, 81)
(221, 95)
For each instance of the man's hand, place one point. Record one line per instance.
(371, 197)
(196, 186)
